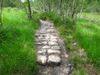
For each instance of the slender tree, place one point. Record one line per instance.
(29, 9)
(1, 5)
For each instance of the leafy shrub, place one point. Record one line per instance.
(50, 16)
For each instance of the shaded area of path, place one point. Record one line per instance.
(51, 53)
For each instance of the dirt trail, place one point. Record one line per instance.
(52, 56)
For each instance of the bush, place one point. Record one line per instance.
(51, 16)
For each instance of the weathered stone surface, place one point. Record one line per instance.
(54, 59)
(53, 37)
(55, 47)
(44, 39)
(41, 59)
(46, 46)
(52, 43)
(53, 40)
(40, 37)
(42, 51)
(51, 51)
(44, 42)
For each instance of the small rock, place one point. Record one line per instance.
(69, 65)
(41, 59)
(74, 43)
(66, 55)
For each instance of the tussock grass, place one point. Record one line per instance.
(88, 34)
(17, 43)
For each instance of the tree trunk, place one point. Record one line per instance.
(60, 7)
(1, 5)
(29, 9)
(49, 6)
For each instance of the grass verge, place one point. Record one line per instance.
(17, 43)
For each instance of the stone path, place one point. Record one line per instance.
(51, 53)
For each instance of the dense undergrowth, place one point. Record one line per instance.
(17, 43)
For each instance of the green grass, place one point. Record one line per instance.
(17, 43)
(90, 16)
(88, 34)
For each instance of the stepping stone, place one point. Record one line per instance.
(44, 42)
(44, 39)
(46, 47)
(41, 51)
(53, 59)
(51, 51)
(41, 59)
(53, 37)
(55, 47)
(53, 40)
(40, 37)
(52, 43)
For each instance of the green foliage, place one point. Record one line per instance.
(17, 43)
(51, 16)
(88, 36)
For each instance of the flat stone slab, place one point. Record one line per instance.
(44, 42)
(53, 59)
(42, 51)
(52, 43)
(46, 46)
(51, 51)
(54, 37)
(53, 40)
(55, 47)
